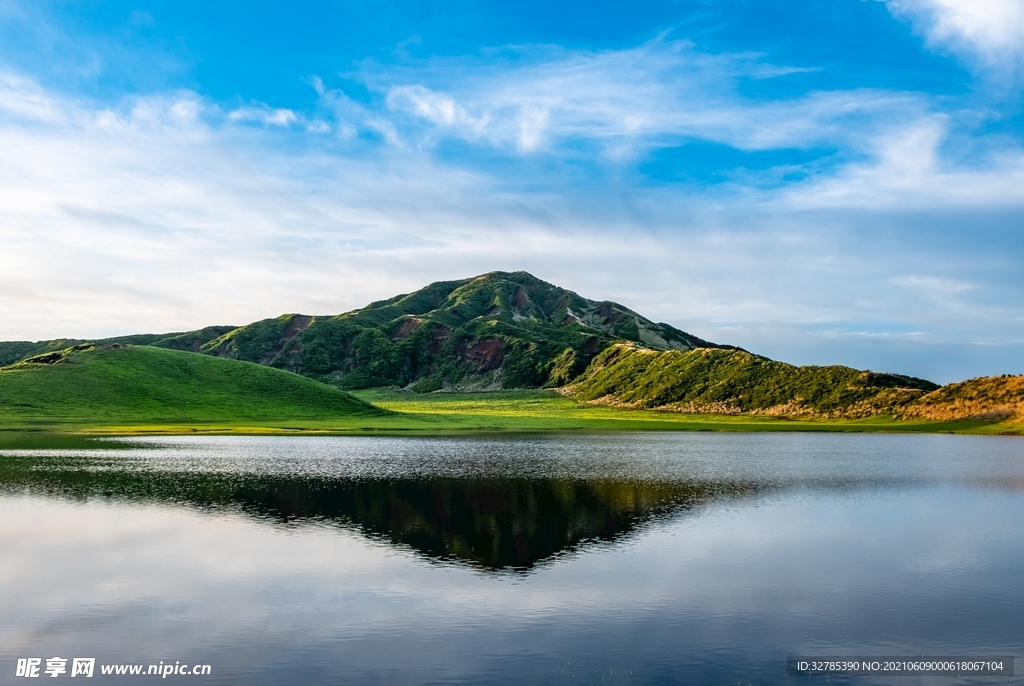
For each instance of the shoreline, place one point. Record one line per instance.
(494, 413)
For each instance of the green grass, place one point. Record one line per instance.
(713, 380)
(136, 390)
(139, 385)
(542, 410)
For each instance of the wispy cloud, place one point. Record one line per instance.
(633, 99)
(169, 211)
(895, 150)
(437, 108)
(265, 114)
(23, 98)
(905, 169)
(990, 32)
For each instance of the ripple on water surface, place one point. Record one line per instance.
(625, 558)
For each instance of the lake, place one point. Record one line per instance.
(549, 559)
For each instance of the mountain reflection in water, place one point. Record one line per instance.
(489, 523)
(692, 558)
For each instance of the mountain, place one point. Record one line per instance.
(498, 330)
(122, 384)
(512, 330)
(710, 381)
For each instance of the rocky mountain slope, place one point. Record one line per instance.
(512, 330)
(498, 330)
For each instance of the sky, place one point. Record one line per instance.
(818, 181)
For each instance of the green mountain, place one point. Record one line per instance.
(498, 330)
(122, 384)
(512, 330)
(711, 381)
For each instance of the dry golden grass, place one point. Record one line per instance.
(990, 398)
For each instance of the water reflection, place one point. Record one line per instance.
(490, 523)
(294, 560)
(495, 504)
(497, 524)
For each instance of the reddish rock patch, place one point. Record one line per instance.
(405, 329)
(487, 354)
(519, 297)
(609, 313)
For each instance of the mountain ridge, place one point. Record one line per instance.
(487, 332)
(506, 330)
(495, 330)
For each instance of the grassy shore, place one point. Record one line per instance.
(500, 412)
(547, 410)
(140, 390)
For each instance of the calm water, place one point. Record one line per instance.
(621, 559)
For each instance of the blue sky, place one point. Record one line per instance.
(835, 181)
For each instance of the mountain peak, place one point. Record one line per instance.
(495, 330)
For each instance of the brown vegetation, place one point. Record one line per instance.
(990, 398)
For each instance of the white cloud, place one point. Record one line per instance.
(24, 99)
(629, 100)
(164, 213)
(318, 126)
(906, 171)
(180, 110)
(265, 115)
(437, 108)
(991, 31)
(664, 93)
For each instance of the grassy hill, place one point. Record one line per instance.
(712, 381)
(139, 389)
(126, 384)
(990, 398)
(502, 330)
(498, 330)
(15, 351)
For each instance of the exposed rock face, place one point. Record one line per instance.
(405, 329)
(502, 329)
(487, 354)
